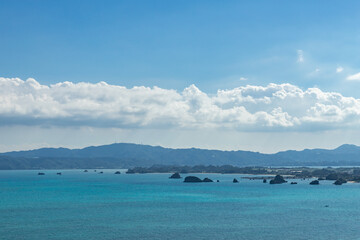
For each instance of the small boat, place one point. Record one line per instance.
(41, 173)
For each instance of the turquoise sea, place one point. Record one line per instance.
(78, 205)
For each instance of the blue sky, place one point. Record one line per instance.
(174, 44)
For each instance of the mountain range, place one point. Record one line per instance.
(125, 155)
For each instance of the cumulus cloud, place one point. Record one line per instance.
(300, 54)
(250, 108)
(355, 77)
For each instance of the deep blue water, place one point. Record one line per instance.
(78, 205)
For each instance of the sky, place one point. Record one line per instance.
(263, 76)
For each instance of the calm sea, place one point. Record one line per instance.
(78, 205)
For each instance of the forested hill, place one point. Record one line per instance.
(124, 155)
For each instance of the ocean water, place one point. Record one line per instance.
(78, 205)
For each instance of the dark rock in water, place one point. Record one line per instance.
(343, 180)
(315, 182)
(207, 180)
(217, 181)
(340, 181)
(59, 173)
(326, 205)
(277, 180)
(101, 172)
(95, 170)
(117, 172)
(293, 183)
(41, 173)
(85, 170)
(235, 180)
(192, 179)
(337, 182)
(130, 171)
(175, 175)
(264, 181)
(321, 179)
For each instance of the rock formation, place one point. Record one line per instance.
(207, 180)
(277, 180)
(175, 175)
(340, 181)
(192, 179)
(315, 182)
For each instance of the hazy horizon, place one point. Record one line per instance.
(189, 147)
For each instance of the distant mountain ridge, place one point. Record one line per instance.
(124, 155)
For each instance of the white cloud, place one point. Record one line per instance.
(339, 69)
(246, 108)
(300, 54)
(243, 79)
(355, 77)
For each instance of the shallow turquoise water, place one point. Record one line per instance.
(78, 205)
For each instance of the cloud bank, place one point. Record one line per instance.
(246, 108)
